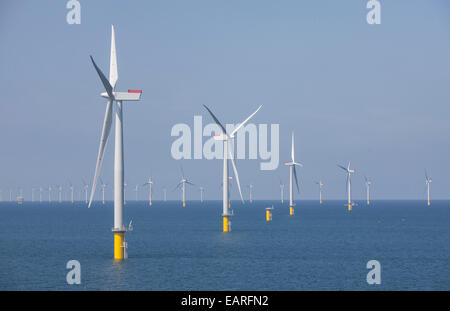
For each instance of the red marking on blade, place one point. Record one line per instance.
(134, 91)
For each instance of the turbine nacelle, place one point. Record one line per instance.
(131, 95)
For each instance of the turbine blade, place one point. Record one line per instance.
(292, 149)
(236, 175)
(113, 74)
(245, 121)
(216, 120)
(342, 167)
(296, 180)
(105, 82)
(101, 150)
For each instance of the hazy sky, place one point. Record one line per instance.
(378, 95)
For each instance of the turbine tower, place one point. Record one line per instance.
(292, 172)
(428, 182)
(250, 187)
(71, 187)
(201, 194)
(165, 194)
(86, 188)
(49, 194)
(368, 183)
(59, 194)
(225, 137)
(183, 183)
(136, 189)
(282, 191)
(118, 98)
(41, 190)
(103, 185)
(320, 183)
(32, 194)
(349, 185)
(150, 183)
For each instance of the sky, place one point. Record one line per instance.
(375, 95)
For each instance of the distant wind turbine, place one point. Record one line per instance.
(428, 183)
(282, 191)
(103, 185)
(320, 183)
(348, 170)
(368, 184)
(250, 187)
(226, 138)
(182, 184)
(292, 172)
(201, 194)
(149, 183)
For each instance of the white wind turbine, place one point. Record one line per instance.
(282, 191)
(41, 190)
(60, 194)
(202, 190)
(165, 194)
(85, 188)
(320, 183)
(292, 173)
(136, 189)
(368, 183)
(250, 187)
(225, 137)
(183, 183)
(348, 170)
(32, 194)
(103, 185)
(71, 187)
(49, 193)
(150, 183)
(118, 98)
(428, 183)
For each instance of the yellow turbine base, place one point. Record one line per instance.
(282, 201)
(349, 206)
(291, 210)
(229, 204)
(226, 224)
(118, 245)
(184, 204)
(368, 202)
(150, 203)
(428, 203)
(124, 202)
(320, 201)
(103, 202)
(268, 215)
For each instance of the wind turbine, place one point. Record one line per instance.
(292, 172)
(282, 191)
(225, 137)
(86, 188)
(136, 189)
(49, 193)
(349, 184)
(118, 97)
(183, 183)
(59, 194)
(165, 194)
(250, 193)
(41, 190)
(368, 183)
(320, 183)
(150, 183)
(428, 182)
(201, 194)
(103, 185)
(10, 195)
(71, 187)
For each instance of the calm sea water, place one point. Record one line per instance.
(323, 247)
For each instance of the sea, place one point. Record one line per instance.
(321, 247)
